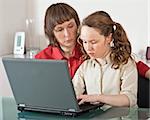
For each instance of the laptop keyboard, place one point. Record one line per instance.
(89, 106)
(86, 105)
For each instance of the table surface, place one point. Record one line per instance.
(8, 111)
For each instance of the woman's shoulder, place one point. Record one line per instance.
(45, 53)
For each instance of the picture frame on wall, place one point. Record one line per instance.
(148, 53)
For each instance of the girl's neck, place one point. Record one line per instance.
(104, 56)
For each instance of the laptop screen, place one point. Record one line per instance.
(41, 84)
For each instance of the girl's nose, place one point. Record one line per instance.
(89, 46)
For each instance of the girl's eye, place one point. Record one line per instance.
(93, 42)
(84, 41)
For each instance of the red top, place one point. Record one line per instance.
(142, 68)
(75, 60)
(55, 53)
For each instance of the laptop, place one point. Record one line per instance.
(44, 86)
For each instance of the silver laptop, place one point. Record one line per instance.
(43, 85)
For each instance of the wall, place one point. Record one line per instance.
(132, 14)
(148, 8)
(12, 19)
(12, 16)
(28, 15)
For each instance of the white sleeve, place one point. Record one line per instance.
(129, 82)
(78, 81)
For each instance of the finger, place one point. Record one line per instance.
(81, 102)
(80, 97)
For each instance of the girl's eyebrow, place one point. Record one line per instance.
(88, 40)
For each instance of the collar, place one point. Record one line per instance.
(105, 60)
(56, 52)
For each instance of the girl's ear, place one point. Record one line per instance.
(109, 38)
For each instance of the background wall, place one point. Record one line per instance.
(28, 16)
(12, 19)
(148, 13)
(133, 15)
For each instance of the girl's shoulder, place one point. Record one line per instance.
(131, 64)
(88, 63)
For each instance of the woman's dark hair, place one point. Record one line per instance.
(57, 14)
(121, 48)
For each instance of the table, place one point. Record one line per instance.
(8, 111)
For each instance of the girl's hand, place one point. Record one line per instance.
(88, 98)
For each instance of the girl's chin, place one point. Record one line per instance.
(92, 57)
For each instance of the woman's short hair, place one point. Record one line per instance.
(57, 14)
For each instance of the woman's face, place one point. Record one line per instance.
(95, 44)
(66, 33)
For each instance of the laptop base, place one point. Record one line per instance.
(63, 113)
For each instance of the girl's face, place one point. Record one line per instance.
(66, 33)
(95, 44)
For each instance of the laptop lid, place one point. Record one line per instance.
(42, 85)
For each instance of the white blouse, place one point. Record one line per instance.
(97, 77)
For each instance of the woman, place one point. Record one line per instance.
(109, 74)
(61, 25)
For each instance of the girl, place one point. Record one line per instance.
(109, 74)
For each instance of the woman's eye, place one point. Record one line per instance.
(59, 30)
(70, 26)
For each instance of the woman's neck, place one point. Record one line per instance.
(67, 51)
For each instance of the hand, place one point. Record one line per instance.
(147, 74)
(88, 98)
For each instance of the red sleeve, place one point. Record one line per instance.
(142, 68)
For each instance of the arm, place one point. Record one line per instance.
(147, 74)
(143, 69)
(129, 82)
(113, 100)
(78, 81)
(128, 89)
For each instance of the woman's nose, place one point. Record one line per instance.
(66, 32)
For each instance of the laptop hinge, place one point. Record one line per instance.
(21, 105)
(71, 110)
